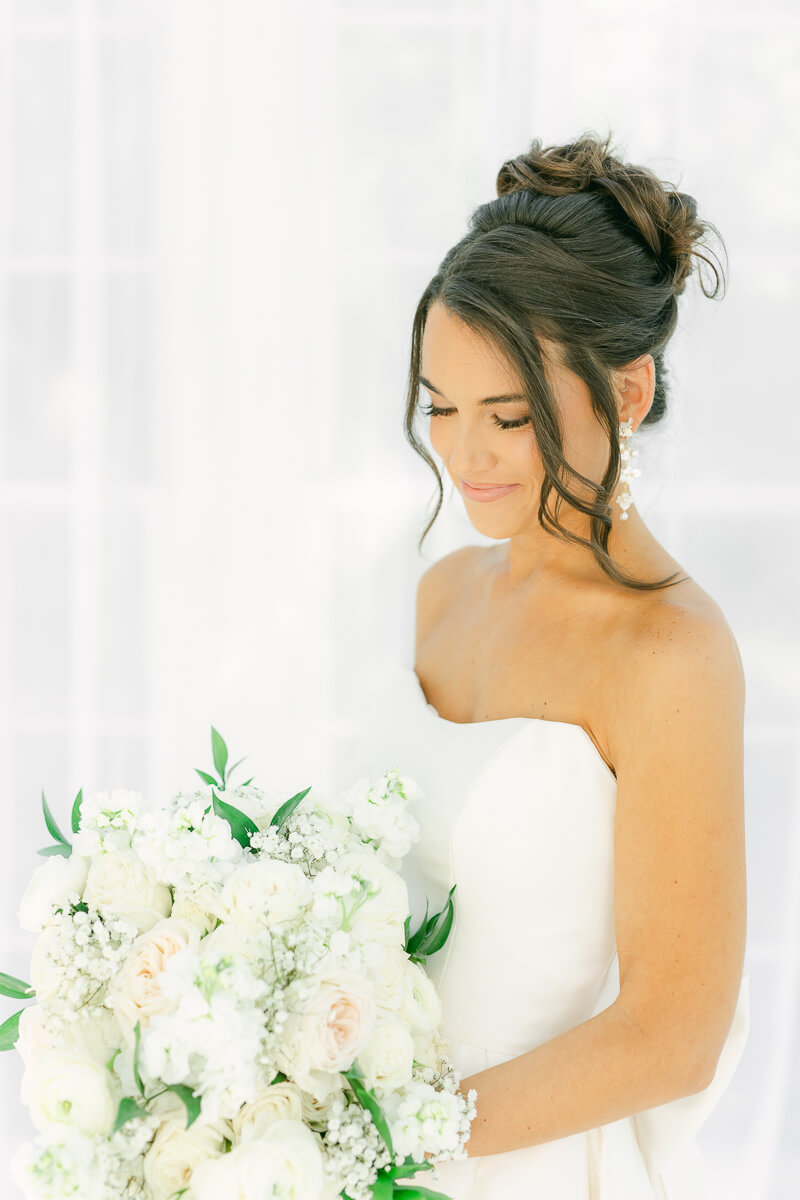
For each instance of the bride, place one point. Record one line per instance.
(575, 707)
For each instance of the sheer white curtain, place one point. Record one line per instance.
(215, 221)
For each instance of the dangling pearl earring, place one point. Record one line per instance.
(628, 472)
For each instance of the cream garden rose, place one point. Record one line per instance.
(286, 1160)
(329, 1033)
(381, 916)
(176, 1151)
(119, 883)
(135, 994)
(50, 884)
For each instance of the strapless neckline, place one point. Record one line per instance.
(510, 721)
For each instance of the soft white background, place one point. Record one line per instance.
(215, 222)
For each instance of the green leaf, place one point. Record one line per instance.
(410, 1167)
(242, 826)
(17, 989)
(50, 822)
(382, 1186)
(415, 1192)
(368, 1100)
(128, 1108)
(137, 1030)
(288, 807)
(9, 1031)
(247, 782)
(64, 850)
(76, 812)
(434, 931)
(207, 778)
(188, 1097)
(235, 765)
(220, 751)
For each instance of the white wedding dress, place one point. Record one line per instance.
(519, 813)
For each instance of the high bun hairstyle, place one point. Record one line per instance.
(591, 253)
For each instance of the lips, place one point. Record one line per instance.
(485, 486)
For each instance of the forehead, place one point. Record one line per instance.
(452, 352)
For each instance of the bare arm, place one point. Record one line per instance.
(680, 904)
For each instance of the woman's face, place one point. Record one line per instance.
(460, 373)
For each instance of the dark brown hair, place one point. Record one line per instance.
(588, 252)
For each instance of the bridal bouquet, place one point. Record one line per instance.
(229, 1001)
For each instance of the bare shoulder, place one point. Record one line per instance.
(679, 666)
(438, 583)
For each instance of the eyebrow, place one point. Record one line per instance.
(487, 400)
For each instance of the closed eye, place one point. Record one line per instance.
(431, 410)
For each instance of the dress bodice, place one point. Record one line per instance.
(519, 814)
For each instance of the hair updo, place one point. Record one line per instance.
(591, 253)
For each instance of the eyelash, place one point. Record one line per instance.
(431, 410)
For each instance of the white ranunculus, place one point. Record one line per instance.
(266, 892)
(286, 1160)
(50, 884)
(119, 883)
(135, 994)
(422, 1008)
(381, 917)
(69, 1087)
(176, 1151)
(279, 1100)
(334, 1027)
(46, 977)
(388, 1058)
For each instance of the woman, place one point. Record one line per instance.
(575, 709)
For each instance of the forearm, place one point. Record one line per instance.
(599, 1071)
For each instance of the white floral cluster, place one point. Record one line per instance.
(218, 980)
(356, 1150)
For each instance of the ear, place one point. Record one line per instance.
(636, 385)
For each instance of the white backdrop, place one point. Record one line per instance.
(215, 221)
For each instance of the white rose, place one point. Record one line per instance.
(50, 884)
(324, 1039)
(267, 892)
(422, 1008)
(387, 1061)
(287, 1159)
(69, 1087)
(201, 907)
(279, 1100)
(391, 979)
(46, 977)
(120, 884)
(382, 916)
(135, 994)
(176, 1151)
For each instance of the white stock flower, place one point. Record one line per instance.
(108, 820)
(388, 1058)
(422, 1008)
(334, 1026)
(135, 994)
(266, 892)
(286, 1161)
(59, 1163)
(279, 1100)
(176, 1151)
(187, 845)
(119, 883)
(69, 1087)
(379, 809)
(50, 884)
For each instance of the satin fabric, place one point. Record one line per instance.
(519, 813)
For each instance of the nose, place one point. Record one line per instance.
(470, 456)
